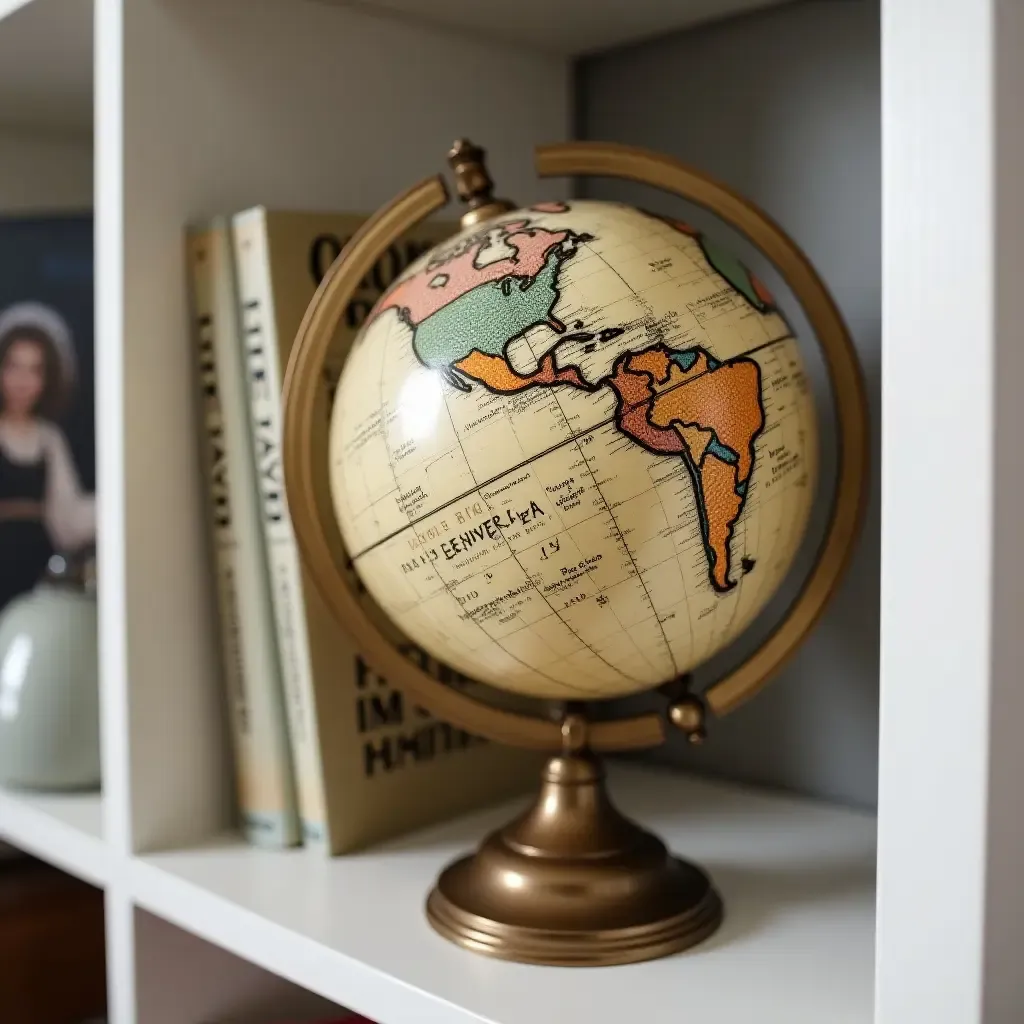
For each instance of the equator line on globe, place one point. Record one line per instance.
(573, 450)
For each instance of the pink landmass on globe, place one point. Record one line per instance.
(431, 289)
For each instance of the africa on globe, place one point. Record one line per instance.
(573, 451)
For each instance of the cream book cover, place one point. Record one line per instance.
(265, 785)
(370, 764)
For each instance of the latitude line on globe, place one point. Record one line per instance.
(561, 444)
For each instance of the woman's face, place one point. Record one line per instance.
(22, 377)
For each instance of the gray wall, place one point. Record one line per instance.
(784, 106)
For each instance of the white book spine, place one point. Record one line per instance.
(265, 784)
(265, 377)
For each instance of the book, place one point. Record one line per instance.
(47, 395)
(369, 762)
(250, 665)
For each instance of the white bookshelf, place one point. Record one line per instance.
(568, 28)
(65, 829)
(797, 878)
(162, 111)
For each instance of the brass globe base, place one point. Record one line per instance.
(572, 882)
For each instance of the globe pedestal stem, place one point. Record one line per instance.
(573, 882)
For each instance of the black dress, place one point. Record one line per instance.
(25, 545)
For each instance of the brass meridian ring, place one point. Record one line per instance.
(320, 539)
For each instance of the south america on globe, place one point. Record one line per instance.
(573, 450)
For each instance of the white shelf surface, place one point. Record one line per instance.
(568, 28)
(797, 945)
(65, 829)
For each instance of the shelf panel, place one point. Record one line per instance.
(10, 6)
(797, 946)
(566, 27)
(65, 829)
(46, 63)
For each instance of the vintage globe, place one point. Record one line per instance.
(573, 451)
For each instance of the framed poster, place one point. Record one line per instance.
(47, 431)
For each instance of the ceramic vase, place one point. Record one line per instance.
(49, 684)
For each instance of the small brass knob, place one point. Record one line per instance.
(688, 716)
(574, 733)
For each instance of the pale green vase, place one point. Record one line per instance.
(49, 685)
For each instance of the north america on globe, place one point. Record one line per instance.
(464, 315)
(573, 450)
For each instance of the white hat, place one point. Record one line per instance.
(50, 322)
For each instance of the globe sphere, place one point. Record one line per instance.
(573, 452)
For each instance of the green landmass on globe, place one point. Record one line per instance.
(683, 402)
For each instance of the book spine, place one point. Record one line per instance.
(264, 784)
(265, 379)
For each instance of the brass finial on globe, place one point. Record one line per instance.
(573, 456)
(474, 183)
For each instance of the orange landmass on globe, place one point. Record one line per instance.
(722, 404)
(424, 293)
(665, 372)
(696, 440)
(709, 411)
(496, 374)
(722, 504)
(654, 361)
(726, 400)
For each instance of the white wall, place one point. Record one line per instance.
(41, 173)
(784, 106)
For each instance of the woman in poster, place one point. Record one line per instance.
(42, 506)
